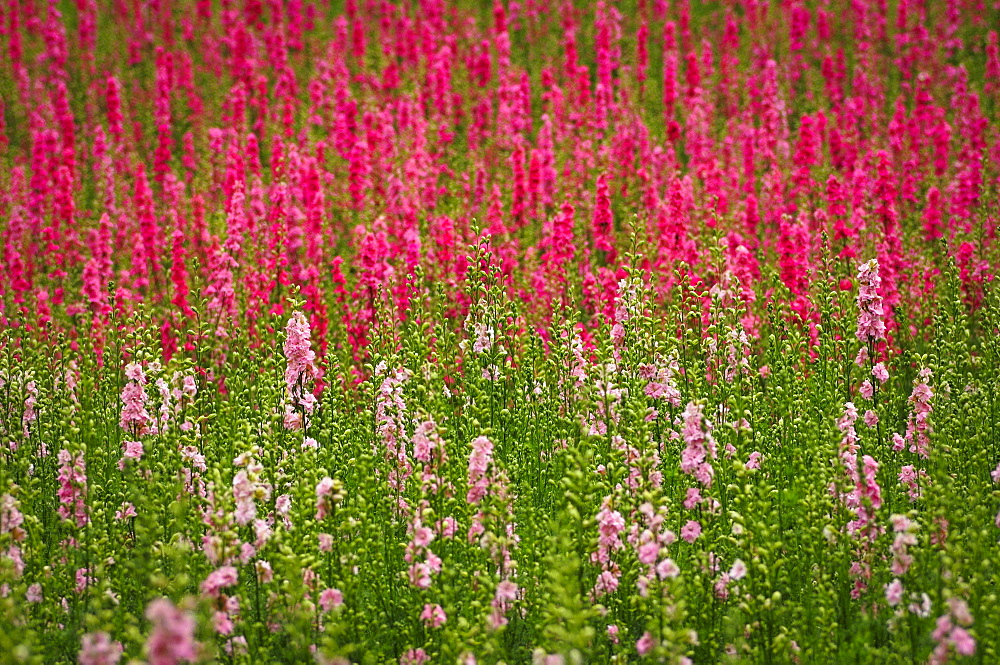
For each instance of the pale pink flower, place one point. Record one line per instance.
(171, 640)
(965, 645)
(701, 447)
(72, 488)
(414, 657)
(132, 450)
(299, 355)
(607, 582)
(721, 586)
(219, 579)
(913, 479)
(918, 426)
(610, 524)
(433, 616)
(645, 644)
(667, 568)
(484, 338)
(960, 611)
(648, 552)
(479, 461)
(330, 599)
(264, 571)
(894, 592)
(11, 518)
(83, 580)
(420, 575)
(222, 623)
(134, 416)
(30, 412)
(739, 570)
(127, 510)
(433, 562)
(323, 490)
(867, 390)
(448, 526)
(99, 649)
(422, 536)
(506, 591)
(425, 440)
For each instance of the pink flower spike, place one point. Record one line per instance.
(218, 580)
(691, 531)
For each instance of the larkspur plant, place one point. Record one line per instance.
(523, 332)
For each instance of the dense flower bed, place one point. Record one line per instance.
(549, 332)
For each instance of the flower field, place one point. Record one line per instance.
(550, 332)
